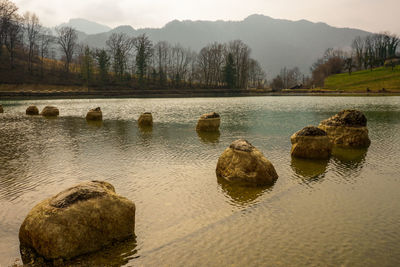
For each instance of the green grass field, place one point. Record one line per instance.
(359, 81)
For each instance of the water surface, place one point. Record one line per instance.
(344, 211)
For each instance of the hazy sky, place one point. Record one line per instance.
(370, 15)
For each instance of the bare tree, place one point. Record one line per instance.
(10, 29)
(120, 45)
(358, 48)
(204, 63)
(14, 38)
(8, 15)
(241, 54)
(257, 75)
(32, 29)
(179, 64)
(67, 38)
(44, 41)
(161, 53)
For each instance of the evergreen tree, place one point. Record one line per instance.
(103, 62)
(144, 51)
(229, 72)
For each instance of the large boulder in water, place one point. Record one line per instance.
(348, 128)
(145, 119)
(32, 110)
(242, 162)
(209, 122)
(312, 143)
(50, 111)
(94, 114)
(82, 219)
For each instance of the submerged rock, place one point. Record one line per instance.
(50, 111)
(348, 128)
(94, 114)
(145, 119)
(312, 143)
(209, 122)
(242, 162)
(1, 109)
(32, 110)
(82, 219)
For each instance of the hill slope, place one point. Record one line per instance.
(361, 80)
(275, 43)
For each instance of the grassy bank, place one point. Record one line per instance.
(359, 81)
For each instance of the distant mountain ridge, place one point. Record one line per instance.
(86, 26)
(275, 43)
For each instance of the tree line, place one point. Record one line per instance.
(31, 53)
(366, 52)
(369, 52)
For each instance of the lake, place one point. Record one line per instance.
(340, 212)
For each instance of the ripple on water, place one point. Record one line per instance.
(340, 212)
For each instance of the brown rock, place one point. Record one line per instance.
(94, 114)
(32, 110)
(145, 119)
(348, 128)
(209, 122)
(347, 117)
(312, 143)
(50, 111)
(1, 109)
(82, 219)
(242, 162)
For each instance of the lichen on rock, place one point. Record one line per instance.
(242, 162)
(82, 219)
(145, 119)
(312, 143)
(94, 114)
(348, 128)
(209, 122)
(50, 111)
(32, 110)
(347, 117)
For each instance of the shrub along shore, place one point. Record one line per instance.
(39, 91)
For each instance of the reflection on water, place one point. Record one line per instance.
(184, 214)
(348, 162)
(350, 155)
(117, 254)
(145, 129)
(95, 124)
(209, 137)
(310, 170)
(242, 194)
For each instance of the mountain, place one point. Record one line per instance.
(86, 26)
(275, 43)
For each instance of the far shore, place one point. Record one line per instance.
(31, 92)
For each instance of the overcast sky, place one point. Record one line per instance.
(370, 15)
